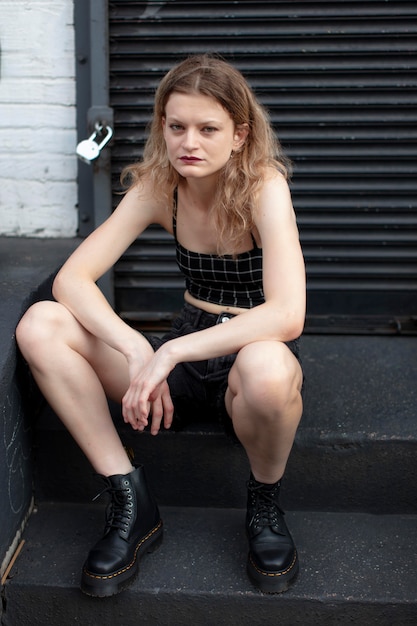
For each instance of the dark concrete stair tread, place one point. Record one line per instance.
(359, 385)
(353, 565)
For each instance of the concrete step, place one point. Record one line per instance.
(355, 450)
(355, 569)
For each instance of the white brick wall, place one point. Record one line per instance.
(38, 166)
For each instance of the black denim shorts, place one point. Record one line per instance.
(198, 388)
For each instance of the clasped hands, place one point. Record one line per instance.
(148, 395)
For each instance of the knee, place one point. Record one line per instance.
(36, 326)
(267, 374)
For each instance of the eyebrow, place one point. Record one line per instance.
(171, 118)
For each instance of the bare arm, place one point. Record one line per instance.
(75, 285)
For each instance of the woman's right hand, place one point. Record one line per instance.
(148, 394)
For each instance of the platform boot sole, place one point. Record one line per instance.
(272, 582)
(101, 586)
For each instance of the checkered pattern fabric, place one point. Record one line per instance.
(226, 280)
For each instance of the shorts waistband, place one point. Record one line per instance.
(201, 318)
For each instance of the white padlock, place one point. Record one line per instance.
(89, 150)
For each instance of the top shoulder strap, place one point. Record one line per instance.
(174, 212)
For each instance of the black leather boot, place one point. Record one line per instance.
(133, 527)
(272, 561)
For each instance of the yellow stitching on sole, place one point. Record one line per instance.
(128, 567)
(272, 574)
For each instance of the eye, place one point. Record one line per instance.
(176, 127)
(209, 129)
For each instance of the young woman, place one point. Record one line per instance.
(214, 176)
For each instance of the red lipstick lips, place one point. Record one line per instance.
(189, 159)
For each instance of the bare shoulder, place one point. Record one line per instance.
(142, 206)
(137, 210)
(274, 202)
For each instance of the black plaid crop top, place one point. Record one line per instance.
(226, 280)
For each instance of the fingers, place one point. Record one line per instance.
(162, 408)
(157, 414)
(168, 409)
(132, 416)
(136, 408)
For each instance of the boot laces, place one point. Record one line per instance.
(119, 509)
(266, 510)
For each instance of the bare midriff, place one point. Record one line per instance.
(210, 307)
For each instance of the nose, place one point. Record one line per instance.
(190, 141)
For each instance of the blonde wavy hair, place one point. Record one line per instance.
(241, 178)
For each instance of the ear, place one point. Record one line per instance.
(241, 132)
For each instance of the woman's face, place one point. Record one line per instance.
(200, 135)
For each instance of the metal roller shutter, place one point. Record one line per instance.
(339, 79)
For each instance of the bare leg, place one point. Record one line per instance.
(264, 402)
(75, 371)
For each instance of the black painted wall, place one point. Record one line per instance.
(15, 452)
(27, 267)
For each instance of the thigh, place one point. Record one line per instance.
(48, 332)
